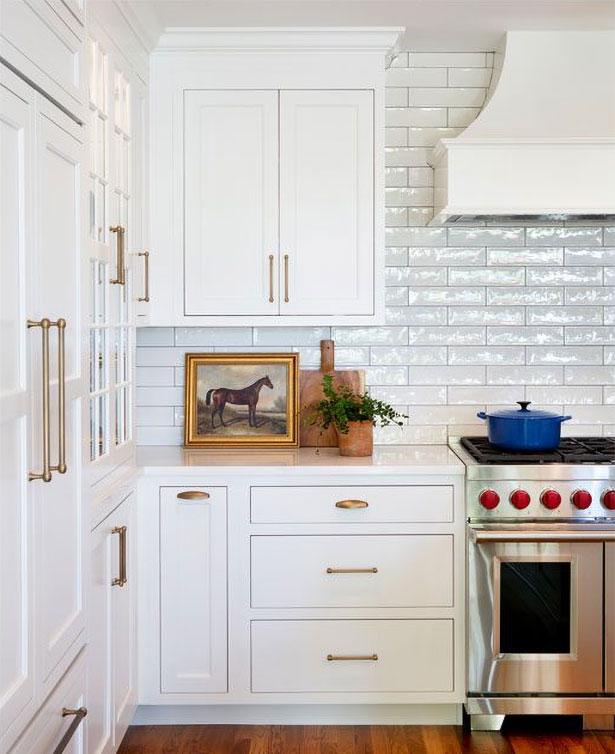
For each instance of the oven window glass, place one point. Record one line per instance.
(535, 607)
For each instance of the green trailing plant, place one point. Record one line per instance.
(341, 406)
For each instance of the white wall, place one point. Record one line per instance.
(477, 316)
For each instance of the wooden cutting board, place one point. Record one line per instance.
(310, 392)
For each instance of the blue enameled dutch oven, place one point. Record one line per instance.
(523, 429)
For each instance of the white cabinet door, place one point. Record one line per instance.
(16, 551)
(59, 516)
(327, 202)
(230, 202)
(193, 605)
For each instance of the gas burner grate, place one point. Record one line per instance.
(570, 450)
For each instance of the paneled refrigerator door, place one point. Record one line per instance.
(327, 202)
(59, 518)
(16, 387)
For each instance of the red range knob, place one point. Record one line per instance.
(551, 499)
(489, 499)
(608, 499)
(581, 499)
(520, 499)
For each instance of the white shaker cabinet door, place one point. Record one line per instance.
(59, 518)
(193, 606)
(327, 202)
(230, 202)
(16, 551)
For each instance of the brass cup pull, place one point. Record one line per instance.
(122, 579)
(145, 297)
(271, 278)
(352, 658)
(78, 714)
(121, 271)
(352, 570)
(286, 286)
(351, 504)
(193, 495)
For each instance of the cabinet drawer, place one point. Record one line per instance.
(385, 504)
(412, 655)
(393, 571)
(48, 727)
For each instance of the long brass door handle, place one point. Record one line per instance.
(271, 278)
(121, 272)
(350, 658)
(145, 297)
(45, 475)
(61, 467)
(351, 504)
(286, 295)
(352, 570)
(122, 579)
(193, 495)
(78, 714)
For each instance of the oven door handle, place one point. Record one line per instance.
(480, 536)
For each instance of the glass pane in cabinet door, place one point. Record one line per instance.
(94, 425)
(93, 370)
(101, 147)
(127, 411)
(101, 206)
(116, 354)
(94, 142)
(92, 52)
(126, 165)
(118, 140)
(119, 417)
(92, 209)
(101, 301)
(101, 99)
(93, 291)
(103, 426)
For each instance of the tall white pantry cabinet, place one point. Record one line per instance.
(72, 140)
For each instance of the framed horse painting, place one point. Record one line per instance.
(241, 400)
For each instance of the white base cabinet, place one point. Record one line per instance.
(257, 588)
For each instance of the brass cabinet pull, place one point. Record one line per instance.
(145, 255)
(121, 272)
(121, 580)
(79, 714)
(351, 504)
(271, 278)
(286, 298)
(61, 467)
(45, 475)
(193, 495)
(345, 658)
(352, 570)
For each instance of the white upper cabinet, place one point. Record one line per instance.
(327, 202)
(231, 202)
(267, 190)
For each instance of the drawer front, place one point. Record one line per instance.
(346, 505)
(48, 727)
(412, 655)
(352, 571)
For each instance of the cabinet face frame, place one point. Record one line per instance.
(175, 71)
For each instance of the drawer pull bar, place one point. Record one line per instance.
(351, 504)
(79, 715)
(352, 658)
(352, 570)
(193, 495)
(122, 579)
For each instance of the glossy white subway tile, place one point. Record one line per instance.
(429, 137)
(525, 375)
(447, 59)
(609, 354)
(609, 236)
(564, 315)
(154, 416)
(166, 357)
(422, 355)
(449, 414)
(597, 415)
(596, 255)
(609, 315)
(159, 435)
(446, 256)
(587, 335)
(525, 256)
(154, 336)
(524, 296)
(296, 336)
(500, 336)
(386, 375)
(396, 256)
(427, 117)
(408, 197)
(415, 276)
(396, 296)
(405, 156)
(469, 77)
(425, 336)
(213, 336)
(460, 117)
(500, 315)
(564, 355)
(397, 176)
(407, 435)
(590, 375)
(410, 394)
(474, 236)
(159, 396)
(600, 296)
(154, 376)
(416, 315)
(411, 77)
(396, 97)
(568, 396)
(564, 236)
(448, 296)
(421, 176)
(419, 216)
(541, 276)
(396, 217)
(396, 137)
(450, 97)
(447, 375)
(499, 276)
(486, 355)
(476, 395)
(368, 336)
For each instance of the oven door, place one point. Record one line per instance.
(535, 609)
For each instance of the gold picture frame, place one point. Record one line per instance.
(241, 400)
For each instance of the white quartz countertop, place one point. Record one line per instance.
(387, 459)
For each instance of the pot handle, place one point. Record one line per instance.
(481, 415)
(564, 418)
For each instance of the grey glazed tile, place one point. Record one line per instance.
(396, 217)
(298, 336)
(416, 77)
(482, 395)
(429, 137)
(397, 296)
(154, 416)
(418, 237)
(609, 354)
(449, 375)
(524, 296)
(405, 156)
(419, 216)
(609, 276)
(410, 196)
(396, 256)
(446, 335)
(447, 59)
(386, 375)
(213, 336)
(486, 236)
(568, 396)
(435, 296)
(421, 177)
(564, 236)
(416, 315)
(609, 236)
(396, 136)
(446, 255)
(154, 376)
(525, 375)
(449, 97)
(593, 256)
(500, 336)
(415, 276)
(589, 335)
(479, 77)
(564, 355)
(525, 256)
(410, 394)
(599, 296)
(609, 315)
(396, 97)
(396, 176)
(564, 276)
(590, 375)
(468, 315)
(564, 315)
(454, 415)
(154, 336)
(499, 276)
(367, 336)
(486, 355)
(159, 396)
(461, 117)
(425, 355)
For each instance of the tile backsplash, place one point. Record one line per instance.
(476, 316)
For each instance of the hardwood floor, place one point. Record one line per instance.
(360, 739)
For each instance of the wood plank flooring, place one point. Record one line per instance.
(358, 739)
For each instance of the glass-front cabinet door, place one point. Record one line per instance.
(111, 251)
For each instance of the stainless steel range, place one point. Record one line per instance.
(541, 578)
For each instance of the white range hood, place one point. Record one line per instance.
(544, 143)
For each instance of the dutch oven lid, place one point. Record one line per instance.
(523, 413)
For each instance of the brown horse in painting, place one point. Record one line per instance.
(247, 396)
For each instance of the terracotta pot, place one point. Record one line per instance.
(359, 441)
